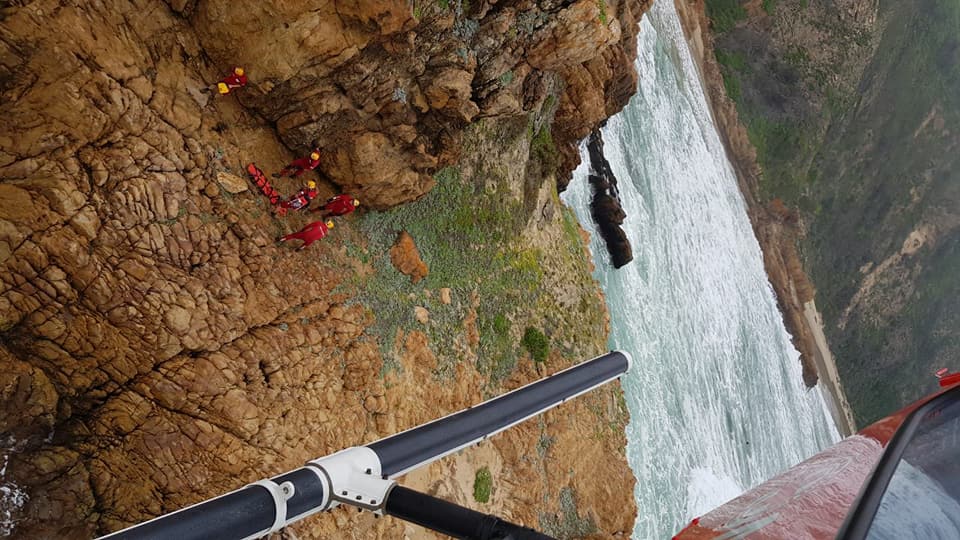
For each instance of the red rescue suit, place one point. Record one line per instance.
(300, 201)
(234, 81)
(299, 166)
(309, 234)
(338, 206)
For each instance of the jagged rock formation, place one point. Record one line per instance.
(158, 346)
(385, 90)
(605, 206)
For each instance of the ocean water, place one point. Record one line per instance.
(716, 398)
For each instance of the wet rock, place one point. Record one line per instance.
(605, 207)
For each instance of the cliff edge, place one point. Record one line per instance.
(161, 348)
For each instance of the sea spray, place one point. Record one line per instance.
(716, 396)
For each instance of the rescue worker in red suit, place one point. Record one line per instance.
(301, 200)
(233, 81)
(309, 234)
(300, 165)
(338, 206)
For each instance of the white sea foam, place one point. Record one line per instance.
(12, 499)
(708, 489)
(716, 385)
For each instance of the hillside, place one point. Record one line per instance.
(851, 106)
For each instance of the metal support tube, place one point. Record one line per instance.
(452, 519)
(361, 476)
(429, 442)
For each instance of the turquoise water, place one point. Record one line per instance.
(716, 397)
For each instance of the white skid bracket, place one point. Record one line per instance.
(354, 478)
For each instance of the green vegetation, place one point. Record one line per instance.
(891, 169)
(482, 484)
(731, 59)
(732, 85)
(731, 64)
(543, 149)
(468, 232)
(536, 343)
(725, 14)
(548, 103)
(567, 523)
(867, 159)
(463, 232)
(505, 78)
(602, 6)
(797, 56)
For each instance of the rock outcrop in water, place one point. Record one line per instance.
(605, 207)
(160, 348)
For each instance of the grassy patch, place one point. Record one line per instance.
(536, 343)
(568, 523)
(464, 232)
(482, 484)
(725, 14)
(542, 144)
(769, 6)
(731, 59)
(602, 6)
(732, 85)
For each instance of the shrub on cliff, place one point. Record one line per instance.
(482, 484)
(537, 343)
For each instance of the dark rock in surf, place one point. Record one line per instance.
(605, 206)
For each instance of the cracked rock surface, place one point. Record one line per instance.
(158, 346)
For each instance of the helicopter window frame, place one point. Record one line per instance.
(864, 509)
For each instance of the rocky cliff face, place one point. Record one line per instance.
(159, 348)
(385, 90)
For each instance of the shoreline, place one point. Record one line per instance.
(830, 383)
(775, 226)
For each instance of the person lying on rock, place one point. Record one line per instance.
(300, 200)
(231, 82)
(338, 206)
(300, 165)
(309, 234)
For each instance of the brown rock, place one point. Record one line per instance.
(406, 258)
(445, 295)
(421, 314)
(177, 319)
(232, 183)
(177, 335)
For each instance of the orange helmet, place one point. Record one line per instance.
(356, 202)
(329, 223)
(315, 155)
(238, 71)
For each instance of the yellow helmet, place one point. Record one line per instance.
(238, 71)
(356, 202)
(314, 156)
(329, 223)
(311, 184)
